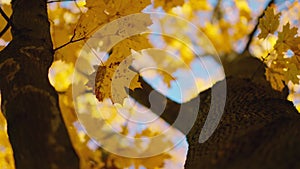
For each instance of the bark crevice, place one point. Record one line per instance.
(36, 128)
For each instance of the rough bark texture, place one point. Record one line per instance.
(259, 128)
(35, 126)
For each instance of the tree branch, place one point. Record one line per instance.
(70, 42)
(52, 1)
(4, 30)
(252, 33)
(159, 101)
(4, 15)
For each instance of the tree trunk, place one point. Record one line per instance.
(35, 126)
(259, 128)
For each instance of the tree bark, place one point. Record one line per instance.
(30, 104)
(259, 128)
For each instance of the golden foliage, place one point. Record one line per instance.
(63, 22)
(153, 162)
(7, 35)
(269, 23)
(6, 154)
(101, 12)
(167, 4)
(287, 39)
(282, 68)
(114, 75)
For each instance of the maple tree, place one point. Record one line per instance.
(260, 53)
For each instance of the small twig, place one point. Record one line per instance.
(71, 41)
(251, 35)
(52, 1)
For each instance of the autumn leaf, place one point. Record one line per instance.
(219, 35)
(168, 4)
(283, 70)
(152, 162)
(287, 39)
(200, 5)
(291, 73)
(63, 23)
(8, 11)
(244, 8)
(6, 153)
(101, 12)
(114, 75)
(275, 78)
(269, 23)
(123, 78)
(113, 79)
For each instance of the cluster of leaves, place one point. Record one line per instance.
(6, 37)
(6, 154)
(78, 29)
(281, 68)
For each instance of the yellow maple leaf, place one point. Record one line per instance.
(282, 71)
(269, 23)
(60, 75)
(275, 78)
(200, 5)
(152, 162)
(113, 79)
(219, 35)
(244, 8)
(123, 78)
(6, 153)
(168, 4)
(114, 75)
(8, 11)
(287, 39)
(291, 73)
(63, 23)
(101, 12)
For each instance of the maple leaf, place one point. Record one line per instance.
(101, 12)
(6, 153)
(62, 30)
(269, 23)
(168, 4)
(244, 8)
(113, 78)
(275, 78)
(282, 71)
(122, 79)
(114, 75)
(287, 39)
(200, 5)
(291, 73)
(8, 11)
